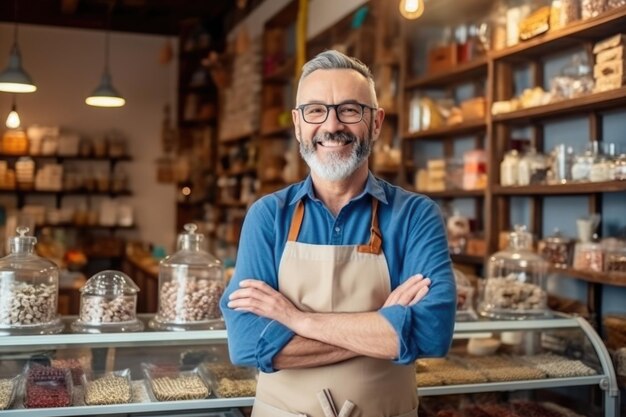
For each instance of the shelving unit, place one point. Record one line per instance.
(125, 346)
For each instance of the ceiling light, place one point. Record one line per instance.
(411, 9)
(105, 95)
(14, 79)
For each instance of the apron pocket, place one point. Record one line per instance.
(262, 409)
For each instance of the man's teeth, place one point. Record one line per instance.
(333, 143)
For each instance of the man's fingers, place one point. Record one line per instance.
(420, 294)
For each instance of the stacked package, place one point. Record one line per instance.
(610, 62)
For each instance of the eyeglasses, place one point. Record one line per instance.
(347, 113)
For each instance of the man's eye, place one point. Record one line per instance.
(315, 110)
(349, 110)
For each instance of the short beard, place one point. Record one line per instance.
(337, 167)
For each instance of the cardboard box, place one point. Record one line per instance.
(442, 58)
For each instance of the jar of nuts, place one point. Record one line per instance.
(191, 282)
(108, 304)
(556, 249)
(514, 287)
(29, 288)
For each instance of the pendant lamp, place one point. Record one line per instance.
(14, 79)
(411, 9)
(105, 95)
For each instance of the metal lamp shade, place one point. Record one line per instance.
(105, 95)
(14, 79)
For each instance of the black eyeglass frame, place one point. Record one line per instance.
(335, 107)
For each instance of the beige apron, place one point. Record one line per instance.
(325, 279)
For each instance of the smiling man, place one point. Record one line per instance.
(342, 280)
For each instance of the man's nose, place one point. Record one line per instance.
(332, 123)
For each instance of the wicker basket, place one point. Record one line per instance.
(615, 331)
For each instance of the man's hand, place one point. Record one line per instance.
(257, 297)
(409, 292)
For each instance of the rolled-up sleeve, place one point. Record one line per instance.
(426, 328)
(254, 340)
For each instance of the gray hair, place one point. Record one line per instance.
(332, 59)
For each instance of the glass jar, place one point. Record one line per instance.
(601, 170)
(556, 249)
(581, 168)
(29, 289)
(191, 282)
(619, 168)
(108, 303)
(589, 256)
(591, 8)
(615, 260)
(464, 297)
(533, 168)
(514, 286)
(509, 168)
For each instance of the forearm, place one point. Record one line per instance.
(301, 352)
(367, 334)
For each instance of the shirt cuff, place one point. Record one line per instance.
(273, 338)
(400, 319)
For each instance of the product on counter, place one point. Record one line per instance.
(47, 387)
(108, 303)
(462, 376)
(191, 282)
(75, 366)
(183, 387)
(558, 366)
(481, 346)
(428, 379)
(112, 388)
(435, 365)
(532, 409)
(29, 289)
(510, 294)
(231, 388)
(7, 392)
(221, 370)
(499, 410)
(513, 373)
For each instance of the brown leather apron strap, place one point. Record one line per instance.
(376, 240)
(296, 222)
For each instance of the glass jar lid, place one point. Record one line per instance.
(22, 243)
(557, 238)
(190, 240)
(110, 283)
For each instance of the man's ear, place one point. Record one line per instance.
(295, 117)
(379, 116)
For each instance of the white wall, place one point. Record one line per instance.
(322, 14)
(66, 65)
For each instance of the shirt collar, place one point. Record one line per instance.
(372, 187)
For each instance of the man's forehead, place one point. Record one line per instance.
(344, 84)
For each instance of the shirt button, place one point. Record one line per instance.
(337, 229)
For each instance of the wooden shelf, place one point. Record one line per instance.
(572, 107)
(284, 131)
(466, 128)
(455, 193)
(459, 74)
(467, 259)
(236, 139)
(563, 189)
(609, 278)
(605, 25)
(121, 158)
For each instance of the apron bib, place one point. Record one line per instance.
(337, 279)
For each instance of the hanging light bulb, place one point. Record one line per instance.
(13, 120)
(411, 9)
(14, 79)
(105, 95)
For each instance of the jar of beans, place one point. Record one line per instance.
(108, 304)
(30, 288)
(191, 282)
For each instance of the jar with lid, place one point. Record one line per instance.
(589, 256)
(509, 168)
(514, 287)
(556, 249)
(108, 304)
(581, 168)
(615, 258)
(618, 169)
(532, 168)
(29, 289)
(191, 282)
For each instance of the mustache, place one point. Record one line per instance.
(341, 137)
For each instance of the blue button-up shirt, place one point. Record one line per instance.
(414, 242)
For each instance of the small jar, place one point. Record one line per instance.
(600, 170)
(509, 168)
(533, 168)
(619, 168)
(589, 256)
(615, 260)
(581, 169)
(108, 304)
(591, 8)
(556, 249)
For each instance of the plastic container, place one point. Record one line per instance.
(514, 286)
(171, 383)
(105, 388)
(29, 288)
(47, 387)
(108, 304)
(191, 282)
(8, 390)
